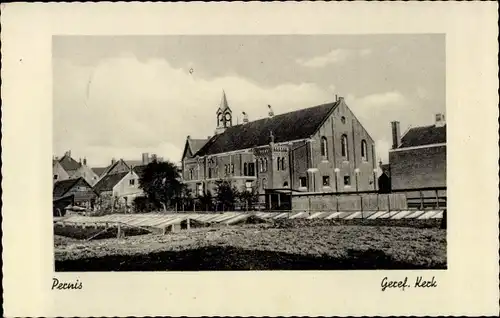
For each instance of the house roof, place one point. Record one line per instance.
(290, 126)
(68, 163)
(109, 181)
(99, 171)
(133, 163)
(425, 135)
(62, 187)
(139, 170)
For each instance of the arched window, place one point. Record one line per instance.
(245, 169)
(364, 150)
(278, 163)
(345, 147)
(285, 184)
(283, 163)
(265, 164)
(324, 148)
(232, 168)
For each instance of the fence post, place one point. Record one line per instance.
(421, 200)
(376, 195)
(188, 225)
(437, 199)
(389, 202)
(119, 232)
(361, 201)
(337, 201)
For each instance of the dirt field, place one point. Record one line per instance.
(285, 245)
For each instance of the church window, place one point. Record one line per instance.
(303, 182)
(251, 169)
(347, 180)
(324, 148)
(285, 184)
(131, 182)
(245, 169)
(232, 168)
(342, 119)
(56, 176)
(282, 163)
(265, 164)
(191, 174)
(345, 147)
(326, 181)
(364, 150)
(209, 173)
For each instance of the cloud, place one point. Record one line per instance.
(123, 107)
(332, 57)
(376, 111)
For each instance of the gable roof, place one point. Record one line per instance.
(139, 170)
(109, 181)
(425, 135)
(68, 163)
(133, 163)
(300, 124)
(62, 187)
(99, 171)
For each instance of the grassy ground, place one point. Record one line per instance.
(295, 245)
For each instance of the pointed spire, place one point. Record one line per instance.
(223, 102)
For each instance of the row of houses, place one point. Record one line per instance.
(90, 187)
(322, 148)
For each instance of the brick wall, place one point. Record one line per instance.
(417, 168)
(349, 202)
(332, 130)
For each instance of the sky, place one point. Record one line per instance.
(120, 96)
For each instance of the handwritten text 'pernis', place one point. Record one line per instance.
(56, 284)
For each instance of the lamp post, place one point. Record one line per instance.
(356, 171)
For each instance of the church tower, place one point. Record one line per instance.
(224, 115)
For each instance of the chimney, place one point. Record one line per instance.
(68, 153)
(396, 134)
(80, 161)
(189, 137)
(145, 158)
(113, 161)
(153, 157)
(336, 97)
(84, 161)
(440, 121)
(245, 118)
(208, 137)
(271, 113)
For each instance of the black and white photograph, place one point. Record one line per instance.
(284, 152)
(250, 159)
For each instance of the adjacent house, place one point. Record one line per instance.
(67, 168)
(78, 188)
(317, 149)
(418, 158)
(122, 186)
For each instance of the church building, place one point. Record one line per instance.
(317, 149)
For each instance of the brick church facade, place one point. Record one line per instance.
(317, 149)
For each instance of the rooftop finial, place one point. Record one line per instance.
(271, 112)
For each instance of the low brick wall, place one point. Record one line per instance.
(349, 202)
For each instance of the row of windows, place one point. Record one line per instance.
(281, 163)
(344, 148)
(248, 168)
(326, 181)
